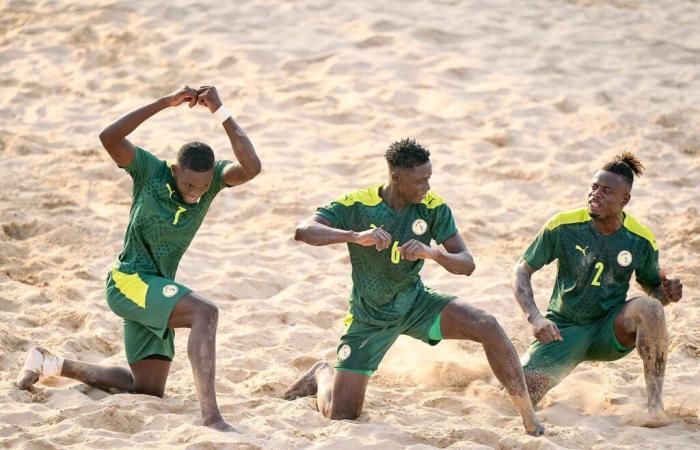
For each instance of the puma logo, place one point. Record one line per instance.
(582, 250)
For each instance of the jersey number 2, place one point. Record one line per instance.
(596, 279)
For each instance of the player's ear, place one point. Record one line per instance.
(626, 199)
(394, 175)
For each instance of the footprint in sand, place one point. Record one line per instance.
(21, 231)
(375, 41)
(438, 36)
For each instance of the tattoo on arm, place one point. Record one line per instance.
(522, 289)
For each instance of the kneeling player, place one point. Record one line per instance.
(168, 206)
(388, 229)
(598, 248)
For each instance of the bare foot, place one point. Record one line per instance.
(522, 404)
(31, 371)
(652, 419)
(26, 379)
(536, 429)
(220, 425)
(306, 384)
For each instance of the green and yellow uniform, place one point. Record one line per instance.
(593, 276)
(388, 297)
(141, 287)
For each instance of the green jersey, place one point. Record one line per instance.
(594, 270)
(384, 285)
(161, 225)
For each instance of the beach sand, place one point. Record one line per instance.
(519, 103)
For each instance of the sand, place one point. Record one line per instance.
(519, 102)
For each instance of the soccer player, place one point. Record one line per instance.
(588, 319)
(168, 206)
(388, 230)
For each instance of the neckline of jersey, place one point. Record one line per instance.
(386, 204)
(598, 233)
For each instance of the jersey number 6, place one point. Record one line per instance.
(395, 255)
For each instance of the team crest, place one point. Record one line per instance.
(344, 352)
(170, 290)
(624, 258)
(419, 227)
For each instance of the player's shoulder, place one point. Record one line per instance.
(433, 200)
(569, 217)
(368, 197)
(638, 229)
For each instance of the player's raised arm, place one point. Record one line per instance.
(113, 137)
(544, 329)
(317, 230)
(249, 165)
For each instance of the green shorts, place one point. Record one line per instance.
(593, 341)
(363, 345)
(145, 302)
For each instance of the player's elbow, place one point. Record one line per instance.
(300, 231)
(466, 267)
(469, 267)
(104, 138)
(254, 169)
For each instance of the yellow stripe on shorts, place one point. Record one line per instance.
(132, 286)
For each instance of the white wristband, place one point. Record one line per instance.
(222, 114)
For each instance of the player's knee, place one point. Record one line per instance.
(651, 310)
(208, 311)
(490, 327)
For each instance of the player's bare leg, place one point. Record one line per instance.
(201, 316)
(339, 394)
(462, 321)
(40, 362)
(641, 322)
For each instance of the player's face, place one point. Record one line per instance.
(414, 183)
(192, 184)
(608, 195)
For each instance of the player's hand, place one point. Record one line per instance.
(378, 237)
(209, 98)
(414, 250)
(182, 95)
(546, 331)
(671, 288)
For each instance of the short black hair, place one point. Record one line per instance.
(627, 165)
(406, 154)
(195, 156)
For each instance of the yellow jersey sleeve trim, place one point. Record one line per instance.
(568, 217)
(432, 200)
(368, 197)
(132, 286)
(347, 322)
(640, 230)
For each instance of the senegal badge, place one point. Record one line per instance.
(624, 258)
(419, 227)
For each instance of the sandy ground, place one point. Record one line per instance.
(519, 102)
